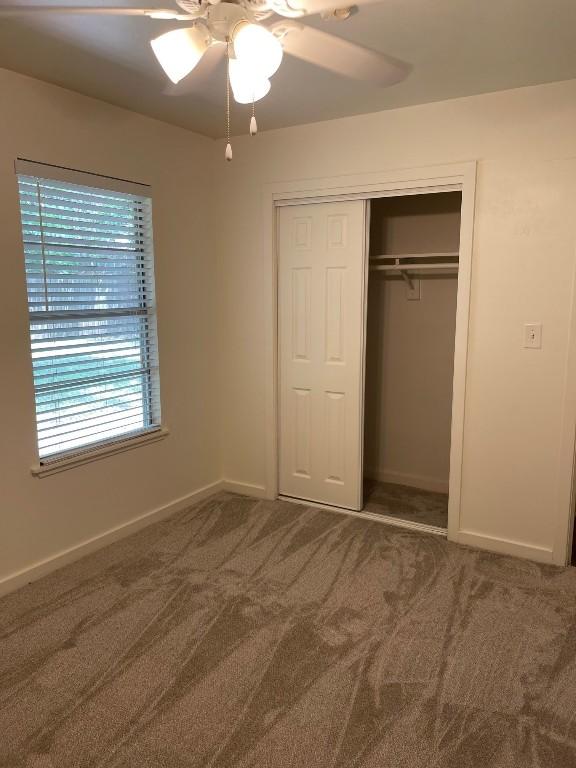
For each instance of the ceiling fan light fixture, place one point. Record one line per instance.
(247, 86)
(180, 50)
(257, 48)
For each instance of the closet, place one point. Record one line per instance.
(366, 327)
(410, 331)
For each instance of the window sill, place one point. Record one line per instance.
(51, 467)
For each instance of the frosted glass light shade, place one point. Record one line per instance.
(247, 86)
(257, 48)
(180, 50)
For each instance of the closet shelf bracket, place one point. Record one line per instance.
(407, 279)
(405, 276)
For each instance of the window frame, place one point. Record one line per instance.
(150, 383)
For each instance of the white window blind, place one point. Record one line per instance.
(90, 279)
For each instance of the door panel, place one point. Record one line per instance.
(302, 432)
(321, 276)
(301, 313)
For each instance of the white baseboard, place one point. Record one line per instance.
(413, 481)
(246, 489)
(505, 546)
(43, 567)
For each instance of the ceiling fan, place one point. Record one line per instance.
(252, 37)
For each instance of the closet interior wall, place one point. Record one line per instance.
(410, 345)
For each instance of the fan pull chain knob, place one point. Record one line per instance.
(253, 126)
(228, 153)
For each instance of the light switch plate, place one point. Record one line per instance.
(533, 336)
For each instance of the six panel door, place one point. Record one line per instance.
(321, 274)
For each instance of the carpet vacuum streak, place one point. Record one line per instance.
(254, 634)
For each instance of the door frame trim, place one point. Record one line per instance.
(444, 178)
(565, 523)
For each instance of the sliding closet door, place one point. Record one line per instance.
(321, 332)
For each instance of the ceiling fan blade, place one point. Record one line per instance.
(165, 14)
(339, 55)
(293, 9)
(201, 75)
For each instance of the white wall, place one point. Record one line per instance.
(514, 494)
(40, 518)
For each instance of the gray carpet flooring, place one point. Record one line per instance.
(244, 633)
(405, 503)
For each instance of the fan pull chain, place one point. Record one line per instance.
(228, 153)
(253, 124)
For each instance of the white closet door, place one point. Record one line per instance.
(321, 348)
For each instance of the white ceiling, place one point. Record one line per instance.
(456, 48)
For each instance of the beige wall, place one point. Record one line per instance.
(513, 494)
(41, 517)
(410, 345)
(215, 292)
(415, 224)
(409, 369)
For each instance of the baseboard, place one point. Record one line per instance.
(43, 567)
(505, 546)
(413, 481)
(246, 489)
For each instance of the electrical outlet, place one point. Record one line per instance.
(533, 336)
(414, 293)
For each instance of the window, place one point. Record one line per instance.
(89, 273)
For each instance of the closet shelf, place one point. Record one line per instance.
(412, 267)
(444, 262)
(400, 256)
(402, 263)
